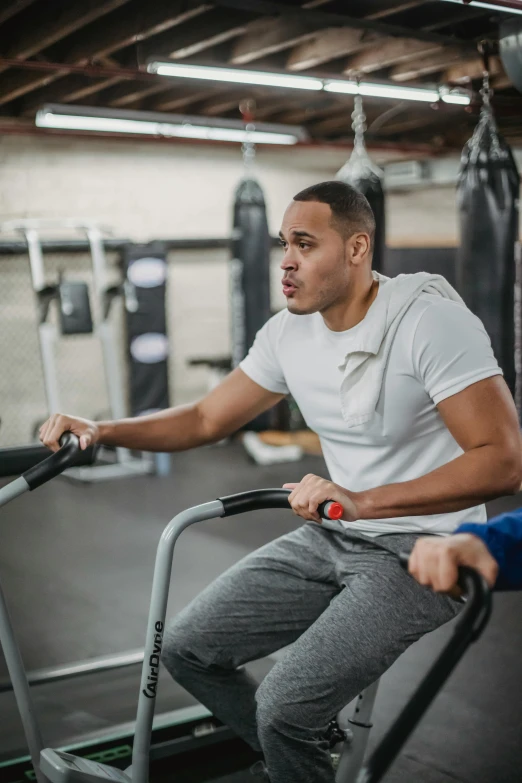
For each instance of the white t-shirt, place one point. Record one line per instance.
(439, 349)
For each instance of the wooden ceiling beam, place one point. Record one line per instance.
(196, 35)
(179, 99)
(332, 19)
(71, 88)
(390, 52)
(471, 69)
(35, 39)
(395, 8)
(14, 84)
(267, 36)
(328, 45)
(14, 7)
(422, 66)
(106, 39)
(135, 25)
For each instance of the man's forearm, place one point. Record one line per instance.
(479, 475)
(175, 429)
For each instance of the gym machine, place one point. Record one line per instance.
(75, 317)
(62, 767)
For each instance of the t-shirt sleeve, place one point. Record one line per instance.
(451, 350)
(261, 363)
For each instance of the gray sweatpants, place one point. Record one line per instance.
(346, 606)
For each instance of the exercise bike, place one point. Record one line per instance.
(55, 766)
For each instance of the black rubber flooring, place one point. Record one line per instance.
(76, 566)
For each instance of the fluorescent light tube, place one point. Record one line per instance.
(47, 118)
(503, 9)
(457, 98)
(188, 131)
(237, 76)
(382, 90)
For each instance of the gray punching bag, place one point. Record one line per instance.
(361, 172)
(487, 196)
(249, 274)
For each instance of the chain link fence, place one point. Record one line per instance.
(79, 361)
(198, 324)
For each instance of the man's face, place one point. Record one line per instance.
(315, 264)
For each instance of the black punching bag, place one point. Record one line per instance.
(364, 175)
(249, 272)
(147, 342)
(487, 196)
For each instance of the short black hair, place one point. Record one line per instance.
(351, 211)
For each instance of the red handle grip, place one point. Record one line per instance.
(330, 510)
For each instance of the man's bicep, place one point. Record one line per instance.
(236, 401)
(482, 414)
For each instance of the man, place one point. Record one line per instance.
(398, 379)
(495, 550)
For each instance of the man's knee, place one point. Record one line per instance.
(281, 711)
(187, 648)
(181, 647)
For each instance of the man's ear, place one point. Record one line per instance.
(358, 247)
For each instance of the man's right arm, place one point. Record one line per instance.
(228, 407)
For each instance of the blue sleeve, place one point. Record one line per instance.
(503, 537)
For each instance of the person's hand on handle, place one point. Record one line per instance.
(310, 492)
(434, 561)
(50, 432)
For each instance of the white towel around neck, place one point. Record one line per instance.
(364, 364)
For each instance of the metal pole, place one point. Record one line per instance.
(15, 667)
(115, 387)
(353, 754)
(46, 331)
(13, 490)
(155, 630)
(102, 663)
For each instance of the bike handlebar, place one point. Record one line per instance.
(257, 499)
(69, 455)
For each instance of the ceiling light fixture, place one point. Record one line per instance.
(268, 79)
(511, 7)
(382, 90)
(235, 75)
(164, 125)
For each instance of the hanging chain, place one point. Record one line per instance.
(358, 121)
(248, 147)
(486, 92)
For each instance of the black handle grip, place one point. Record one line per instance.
(471, 623)
(68, 456)
(257, 499)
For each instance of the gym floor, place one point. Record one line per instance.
(76, 565)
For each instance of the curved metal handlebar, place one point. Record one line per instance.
(257, 499)
(471, 623)
(69, 455)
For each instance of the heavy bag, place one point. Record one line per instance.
(364, 175)
(249, 273)
(487, 197)
(147, 342)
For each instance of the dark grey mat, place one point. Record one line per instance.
(76, 565)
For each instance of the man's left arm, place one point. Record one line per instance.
(483, 420)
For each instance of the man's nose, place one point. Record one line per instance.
(289, 261)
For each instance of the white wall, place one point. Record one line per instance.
(144, 191)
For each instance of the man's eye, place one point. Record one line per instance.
(281, 243)
(302, 245)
